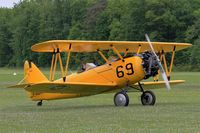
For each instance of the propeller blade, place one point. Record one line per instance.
(162, 71)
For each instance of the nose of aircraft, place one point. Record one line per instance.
(149, 64)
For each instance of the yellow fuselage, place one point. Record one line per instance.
(123, 73)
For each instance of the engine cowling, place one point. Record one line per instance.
(149, 64)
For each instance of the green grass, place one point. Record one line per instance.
(177, 110)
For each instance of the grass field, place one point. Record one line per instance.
(176, 111)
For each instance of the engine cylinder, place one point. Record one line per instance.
(150, 64)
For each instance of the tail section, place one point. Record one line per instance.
(33, 74)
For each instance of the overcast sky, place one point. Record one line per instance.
(8, 3)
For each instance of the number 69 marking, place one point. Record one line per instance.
(120, 72)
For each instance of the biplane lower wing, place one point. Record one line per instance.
(70, 87)
(156, 85)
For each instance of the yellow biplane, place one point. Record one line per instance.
(135, 62)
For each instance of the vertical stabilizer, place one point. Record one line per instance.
(33, 74)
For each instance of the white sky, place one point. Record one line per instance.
(8, 3)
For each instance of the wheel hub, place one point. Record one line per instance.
(148, 98)
(120, 100)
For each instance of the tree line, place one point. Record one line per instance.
(33, 21)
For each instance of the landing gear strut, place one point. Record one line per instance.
(39, 103)
(147, 97)
(121, 99)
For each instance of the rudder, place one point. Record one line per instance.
(33, 74)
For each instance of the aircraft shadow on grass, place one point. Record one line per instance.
(24, 108)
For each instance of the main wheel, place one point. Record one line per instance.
(121, 99)
(39, 103)
(148, 98)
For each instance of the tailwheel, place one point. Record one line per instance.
(121, 99)
(148, 98)
(39, 103)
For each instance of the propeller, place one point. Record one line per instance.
(164, 76)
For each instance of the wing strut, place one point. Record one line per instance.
(61, 65)
(139, 49)
(117, 52)
(167, 69)
(165, 64)
(101, 54)
(67, 62)
(126, 52)
(55, 57)
(52, 65)
(172, 59)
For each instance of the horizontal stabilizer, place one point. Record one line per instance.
(18, 86)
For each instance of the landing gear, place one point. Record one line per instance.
(39, 103)
(121, 99)
(148, 98)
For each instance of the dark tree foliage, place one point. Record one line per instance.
(5, 36)
(34, 21)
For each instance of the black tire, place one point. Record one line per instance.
(148, 98)
(121, 99)
(39, 103)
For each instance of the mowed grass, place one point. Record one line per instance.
(177, 110)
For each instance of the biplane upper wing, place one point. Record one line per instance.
(92, 46)
(156, 85)
(70, 87)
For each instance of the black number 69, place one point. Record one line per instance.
(120, 72)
